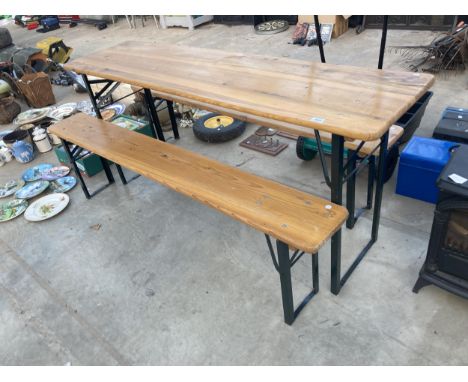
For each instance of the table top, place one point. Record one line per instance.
(354, 102)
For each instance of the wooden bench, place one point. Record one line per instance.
(297, 220)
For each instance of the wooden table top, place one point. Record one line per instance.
(354, 102)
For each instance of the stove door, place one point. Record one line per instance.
(453, 258)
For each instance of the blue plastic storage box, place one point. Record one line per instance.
(421, 162)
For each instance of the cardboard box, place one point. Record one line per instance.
(340, 23)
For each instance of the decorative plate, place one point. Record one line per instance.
(9, 188)
(11, 209)
(32, 189)
(32, 115)
(63, 184)
(86, 107)
(3, 133)
(108, 114)
(46, 207)
(63, 111)
(118, 107)
(35, 173)
(55, 172)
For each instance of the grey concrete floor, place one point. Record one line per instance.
(168, 281)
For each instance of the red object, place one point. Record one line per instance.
(32, 25)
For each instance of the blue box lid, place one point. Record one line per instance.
(427, 153)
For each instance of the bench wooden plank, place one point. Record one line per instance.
(301, 220)
(359, 103)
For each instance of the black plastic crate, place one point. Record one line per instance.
(411, 120)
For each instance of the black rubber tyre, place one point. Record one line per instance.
(5, 38)
(391, 162)
(302, 152)
(217, 134)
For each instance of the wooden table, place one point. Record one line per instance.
(296, 96)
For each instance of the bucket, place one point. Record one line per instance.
(16, 135)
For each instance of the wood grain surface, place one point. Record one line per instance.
(301, 220)
(354, 102)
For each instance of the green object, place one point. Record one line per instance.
(139, 125)
(89, 165)
(307, 148)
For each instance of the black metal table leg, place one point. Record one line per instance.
(337, 172)
(370, 182)
(351, 191)
(153, 115)
(379, 186)
(175, 129)
(91, 96)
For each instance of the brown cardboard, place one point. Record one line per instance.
(340, 23)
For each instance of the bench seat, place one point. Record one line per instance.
(301, 220)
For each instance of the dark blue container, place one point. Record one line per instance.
(421, 162)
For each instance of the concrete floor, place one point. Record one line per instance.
(165, 280)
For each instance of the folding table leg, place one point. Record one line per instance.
(351, 191)
(153, 115)
(337, 172)
(379, 186)
(370, 182)
(170, 108)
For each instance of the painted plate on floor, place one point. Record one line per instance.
(32, 189)
(35, 173)
(3, 133)
(63, 111)
(108, 114)
(31, 116)
(9, 188)
(118, 107)
(46, 207)
(55, 172)
(11, 209)
(63, 184)
(86, 107)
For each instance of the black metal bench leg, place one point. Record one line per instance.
(283, 266)
(175, 129)
(351, 192)
(285, 278)
(105, 165)
(76, 168)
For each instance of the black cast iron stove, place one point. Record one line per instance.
(446, 263)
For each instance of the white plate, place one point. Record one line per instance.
(46, 207)
(63, 111)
